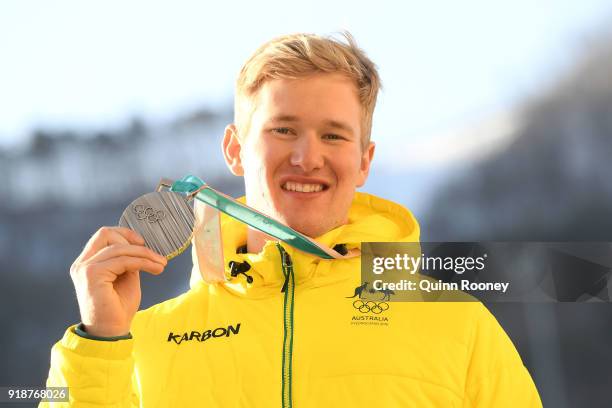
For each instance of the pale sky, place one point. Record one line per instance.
(92, 64)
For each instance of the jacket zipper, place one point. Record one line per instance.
(288, 289)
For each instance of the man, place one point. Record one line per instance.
(301, 140)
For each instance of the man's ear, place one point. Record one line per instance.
(231, 150)
(366, 161)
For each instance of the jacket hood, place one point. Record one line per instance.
(370, 219)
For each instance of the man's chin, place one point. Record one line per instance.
(309, 222)
(312, 229)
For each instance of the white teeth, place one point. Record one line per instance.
(303, 188)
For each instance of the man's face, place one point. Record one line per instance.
(302, 158)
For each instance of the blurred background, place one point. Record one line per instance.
(495, 123)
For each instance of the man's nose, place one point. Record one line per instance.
(308, 154)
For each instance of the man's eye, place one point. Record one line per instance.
(282, 130)
(332, 136)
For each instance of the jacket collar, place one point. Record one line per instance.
(371, 219)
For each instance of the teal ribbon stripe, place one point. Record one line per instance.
(247, 215)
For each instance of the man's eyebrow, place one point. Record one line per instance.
(329, 122)
(339, 125)
(284, 118)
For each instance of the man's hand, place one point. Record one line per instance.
(107, 281)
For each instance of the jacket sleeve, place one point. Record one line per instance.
(496, 376)
(97, 373)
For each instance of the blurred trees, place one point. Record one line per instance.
(553, 181)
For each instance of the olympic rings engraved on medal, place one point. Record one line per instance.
(370, 306)
(148, 213)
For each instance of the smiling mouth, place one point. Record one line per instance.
(304, 187)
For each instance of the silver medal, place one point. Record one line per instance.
(165, 220)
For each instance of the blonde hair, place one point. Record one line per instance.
(297, 55)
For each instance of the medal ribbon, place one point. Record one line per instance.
(194, 187)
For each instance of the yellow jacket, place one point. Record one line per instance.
(294, 338)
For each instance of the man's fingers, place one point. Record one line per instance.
(132, 236)
(107, 236)
(121, 264)
(116, 250)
